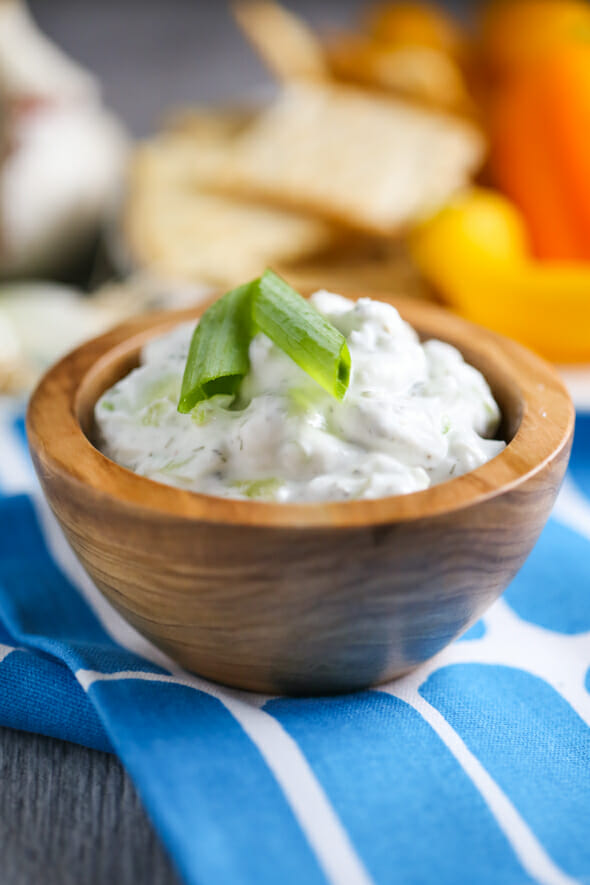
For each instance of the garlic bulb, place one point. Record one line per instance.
(39, 322)
(64, 153)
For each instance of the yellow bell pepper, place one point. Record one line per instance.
(475, 253)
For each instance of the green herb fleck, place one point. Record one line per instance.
(258, 488)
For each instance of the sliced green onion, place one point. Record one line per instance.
(302, 333)
(218, 354)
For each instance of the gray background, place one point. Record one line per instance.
(68, 815)
(151, 54)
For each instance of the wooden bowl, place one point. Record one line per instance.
(302, 598)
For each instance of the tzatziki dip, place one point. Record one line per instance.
(415, 414)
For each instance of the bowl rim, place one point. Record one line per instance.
(60, 446)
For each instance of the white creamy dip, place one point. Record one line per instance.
(414, 415)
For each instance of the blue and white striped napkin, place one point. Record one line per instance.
(475, 769)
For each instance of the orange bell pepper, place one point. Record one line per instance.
(566, 83)
(516, 33)
(538, 125)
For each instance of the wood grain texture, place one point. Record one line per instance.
(70, 816)
(309, 597)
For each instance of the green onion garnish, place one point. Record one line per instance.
(218, 355)
(302, 333)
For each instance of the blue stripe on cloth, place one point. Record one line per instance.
(41, 609)
(580, 458)
(410, 809)
(534, 746)
(551, 589)
(48, 701)
(21, 432)
(205, 785)
(476, 632)
(5, 636)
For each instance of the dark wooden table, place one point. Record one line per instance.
(69, 815)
